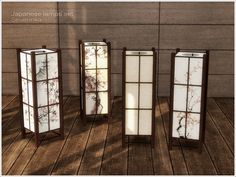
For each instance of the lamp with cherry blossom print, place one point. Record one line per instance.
(95, 76)
(189, 75)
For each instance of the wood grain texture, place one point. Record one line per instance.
(40, 162)
(35, 12)
(196, 37)
(197, 13)
(92, 160)
(131, 36)
(222, 123)
(116, 84)
(70, 84)
(227, 107)
(110, 13)
(176, 154)
(218, 150)
(115, 155)
(56, 156)
(161, 157)
(29, 36)
(140, 160)
(72, 153)
(6, 100)
(9, 60)
(26, 154)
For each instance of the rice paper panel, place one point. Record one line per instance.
(90, 57)
(131, 122)
(132, 68)
(54, 117)
(52, 65)
(26, 116)
(145, 96)
(102, 103)
(90, 80)
(41, 67)
(193, 126)
(180, 97)
(30, 93)
(31, 117)
(91, 105)
(181, 70)
(42, 93)
(178, 127)
(146, 68)
(24, 86)
(102, 57)
(102, 79)
(23, 65)
(194, 99)
(53, 91)
(131, 96)
(43, 119)
(29, 66)
(195, 71)
(145, 122)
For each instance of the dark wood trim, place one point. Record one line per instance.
(154, 85)
(35, 99)
(171, 97)
(123, 95)
(60, 82)
(20, 93)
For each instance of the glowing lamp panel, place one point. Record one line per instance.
(47, 90)
(96, 78)
(187, 95)
(138, 93)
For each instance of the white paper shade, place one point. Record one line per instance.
(46, 82)
(138, 92)
(187, 95)
(95, 67)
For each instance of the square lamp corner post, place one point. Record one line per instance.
(188, 97)
(139, 94)
(40, 91)
(95, 79)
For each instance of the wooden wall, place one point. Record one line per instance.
(165, 26)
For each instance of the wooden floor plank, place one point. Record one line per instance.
(221, 122)
(140, 160)
(46, 155)
(6, 100)
(115, 156)
(26, 154)
(176, 154)
(97, 148)
(92, 159)
(9, 112)
(199, 163)
(161, 155)
(71, 155)
(227, 107)
(218, 150)
(10, 132)
(12, 153)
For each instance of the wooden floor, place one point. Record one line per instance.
(97, 147)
